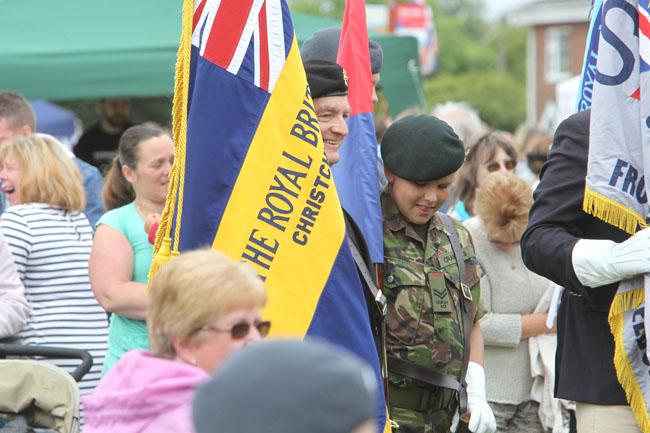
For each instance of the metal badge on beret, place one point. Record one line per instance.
(326, 78)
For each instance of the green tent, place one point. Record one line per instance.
(76, 49)
(400, 73)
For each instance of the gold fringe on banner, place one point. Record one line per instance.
(621, 304)
(626, 301)
(173, 210)
(612, 212)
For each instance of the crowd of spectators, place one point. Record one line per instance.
(75, 275)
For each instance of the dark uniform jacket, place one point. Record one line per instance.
(355, 236)
(585, 346)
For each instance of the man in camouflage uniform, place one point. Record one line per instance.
(422, 282)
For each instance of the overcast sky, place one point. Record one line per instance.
(496, 8)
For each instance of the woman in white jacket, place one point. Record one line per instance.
(14, 309)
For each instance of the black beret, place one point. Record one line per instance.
(324, 45)
(326, 79)
(422, 148)
(287, 386)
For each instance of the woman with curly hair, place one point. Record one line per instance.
(509, 293)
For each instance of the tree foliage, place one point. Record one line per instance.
(483, 63)
(499, 98)
(480, 62)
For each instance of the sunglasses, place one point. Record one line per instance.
(489, 140)
(493, 166)
(536, 157)
(241, 330)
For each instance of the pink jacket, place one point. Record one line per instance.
(143, 393)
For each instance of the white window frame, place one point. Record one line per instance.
(557, 53)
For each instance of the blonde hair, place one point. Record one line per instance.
(502, 204)
(48, 175)
(194, 290)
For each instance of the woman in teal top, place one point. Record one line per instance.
(135, 188)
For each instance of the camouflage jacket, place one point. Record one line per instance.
(421, 283)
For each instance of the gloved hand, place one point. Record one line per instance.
(481, 418)
(454, 422)
(598, 262)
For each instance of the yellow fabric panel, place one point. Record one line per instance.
(279, 179)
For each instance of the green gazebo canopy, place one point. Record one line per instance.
(76, 49)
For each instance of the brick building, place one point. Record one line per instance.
(557, 32)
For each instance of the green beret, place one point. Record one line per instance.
(422, 148)
(326, 79)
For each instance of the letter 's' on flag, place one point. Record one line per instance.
(618, 66)
(356, 174)
(250, 177)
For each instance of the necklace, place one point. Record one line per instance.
(145, 212)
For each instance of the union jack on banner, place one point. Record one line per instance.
(250, 178)
(264, 37)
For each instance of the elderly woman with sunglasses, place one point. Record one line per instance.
(201, 308)
(493, 152)
(509, 294)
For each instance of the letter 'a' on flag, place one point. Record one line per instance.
(356, 176)
(617, 68)
(250, 176)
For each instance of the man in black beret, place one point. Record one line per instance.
(431, 281)
(328, 84)
(324, 45)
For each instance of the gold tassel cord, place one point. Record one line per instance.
(162, 248)
(622, 303)
(612, 212)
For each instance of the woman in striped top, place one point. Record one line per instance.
(50, 239)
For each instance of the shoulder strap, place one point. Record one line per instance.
(377, 294)
(451, 232)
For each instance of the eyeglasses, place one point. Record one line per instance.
(241, 330)
(493, 166)
(490, 141)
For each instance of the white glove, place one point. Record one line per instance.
(481, 418)
(598, 262)
(454, 422)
